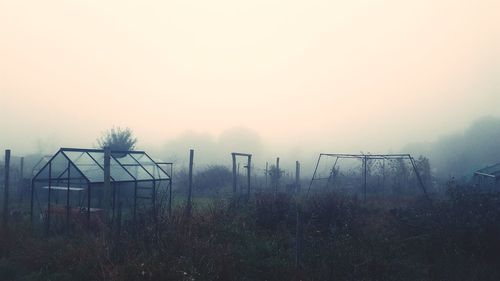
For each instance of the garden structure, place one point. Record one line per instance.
(248, 168)
(368, 168)
(70, 189)
(488, 177)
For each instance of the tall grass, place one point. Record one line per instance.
(457, 238)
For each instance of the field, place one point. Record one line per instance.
(456, 237)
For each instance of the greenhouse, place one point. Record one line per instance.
(69, 188)
(488, 178)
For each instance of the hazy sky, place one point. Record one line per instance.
(341, 75)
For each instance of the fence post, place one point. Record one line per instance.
(21, 169)
(20, 185)
(6, 189)
(249, 164)
(278, 176)
(234, 174)
(365, 164)
(106, 193)
(190, 183)
(297, 176)
(267, 171)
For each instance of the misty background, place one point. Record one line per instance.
(457, 155)
(275, 78)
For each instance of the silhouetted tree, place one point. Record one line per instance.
(118, 139)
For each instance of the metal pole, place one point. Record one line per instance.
(6, 189)
(48, 199)
(332, 173)
(113, 202)
(135, 201)
(419, 178)
(155, 211)
(314, 174)
(88, 204)
(67, 196)
(170, 192)
(154, 201)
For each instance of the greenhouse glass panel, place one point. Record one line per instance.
(89, 165)
(127, 160)
(150, 166)
(117, 171)
(134, 167)
(56, 166)
(138, 172)
(83, 162)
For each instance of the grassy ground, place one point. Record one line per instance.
(456, 238)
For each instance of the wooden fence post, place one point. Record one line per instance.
(249, 165)
(267, 172)
(297, 175)
(6, 189)
(364, 176)
(234, 174)
(238, 185)
(278, 176)
(190, 184)
(20, 184)
(106, 193)
(21, 169)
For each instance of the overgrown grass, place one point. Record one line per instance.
(457, 238)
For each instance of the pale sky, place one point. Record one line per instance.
(353, 75)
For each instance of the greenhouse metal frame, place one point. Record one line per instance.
(73, 170)
(488, 174)
(365, 158)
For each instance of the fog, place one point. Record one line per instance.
(275, 78)
(460, 154)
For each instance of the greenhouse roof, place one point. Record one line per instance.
(88, 164)
(491, 171)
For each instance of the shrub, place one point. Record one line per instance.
(213, 178)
